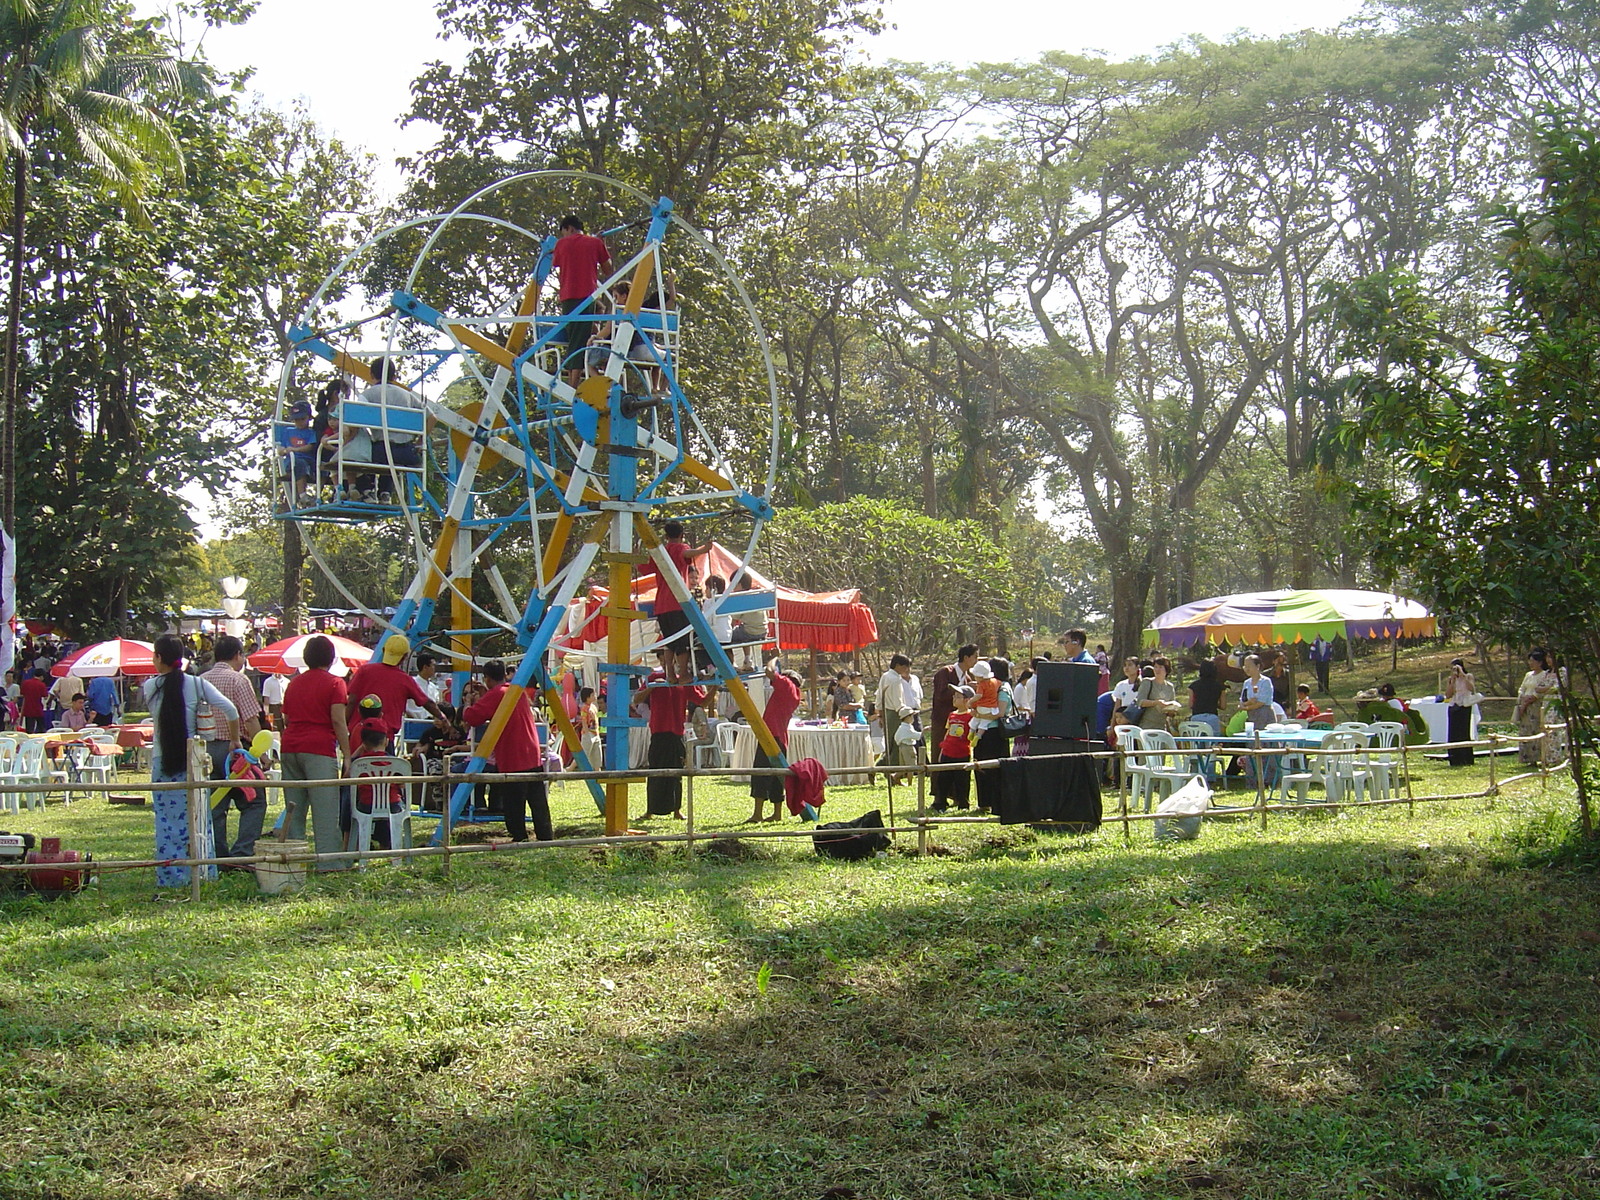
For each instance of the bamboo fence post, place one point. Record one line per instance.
(1405, 769)
(1494, 787)
(444, 815)
(922, 813)
(1261, 778)
(688, 817)
(891, 797)
(1122, 791)
(195, 811)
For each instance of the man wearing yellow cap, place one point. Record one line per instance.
(392, 685)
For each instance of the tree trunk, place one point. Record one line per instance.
(1130, 589)
(19, 250)
(294, 565)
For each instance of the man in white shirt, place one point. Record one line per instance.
(272, 698)
(428, 680)
(899, 701)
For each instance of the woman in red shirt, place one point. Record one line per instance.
(516, 751)
(314, 731)
(34, 690)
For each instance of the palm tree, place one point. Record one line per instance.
(60, 74)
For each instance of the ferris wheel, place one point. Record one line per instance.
(516, 447)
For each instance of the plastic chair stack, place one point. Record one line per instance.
(26, 768)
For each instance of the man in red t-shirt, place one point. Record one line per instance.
(579, 258)
(669, 710)
(677, 660)
(783, 698)
(390, 684)
(517, 751)
(34, 690)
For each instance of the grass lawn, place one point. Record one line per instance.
(1357, 1005)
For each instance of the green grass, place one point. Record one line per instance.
(1352, 1006)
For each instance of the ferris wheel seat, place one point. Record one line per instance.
(385, 418)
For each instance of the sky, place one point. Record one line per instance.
(351, 62)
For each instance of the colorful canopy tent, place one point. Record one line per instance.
(120, 656)
(827, 622)
(288, 656)
(1291, 616)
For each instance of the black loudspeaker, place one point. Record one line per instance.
(1064, 702)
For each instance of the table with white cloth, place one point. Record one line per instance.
(1437, 715)
(844, 750)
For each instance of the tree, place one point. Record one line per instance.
(929, 582)
(62, 71)
(1494, 438)
(150, 346)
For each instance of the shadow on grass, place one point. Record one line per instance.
(1040, 1018)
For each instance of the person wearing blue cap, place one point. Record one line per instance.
(301, 442)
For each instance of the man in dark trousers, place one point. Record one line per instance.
(946, 677)
(1321, 657)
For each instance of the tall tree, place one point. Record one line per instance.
(1494, 438)
(63, 73)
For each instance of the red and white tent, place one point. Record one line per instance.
(827, 622)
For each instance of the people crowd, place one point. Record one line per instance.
(973, 708)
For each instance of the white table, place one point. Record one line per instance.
(1437, 716)
(846, 751)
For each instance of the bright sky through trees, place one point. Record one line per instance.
(353, 61)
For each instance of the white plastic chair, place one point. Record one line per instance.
(1384, 760)
(1201, 760)
(1346, 772)
(1161, 763)
(27, 768)
(379, 767)
(1311, 771)
(727, 735)
(1351, 727)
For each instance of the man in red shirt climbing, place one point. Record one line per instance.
(579, 258)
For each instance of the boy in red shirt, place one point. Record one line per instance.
(375, 744)
(34, 690)
(579, 258)
(677, 661)
(668, 716)
(955, 786)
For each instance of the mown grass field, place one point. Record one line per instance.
(1357, 1005)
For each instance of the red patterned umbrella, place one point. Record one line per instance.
(120, 656)
(288, 656)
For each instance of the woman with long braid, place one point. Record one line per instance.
(174, 700)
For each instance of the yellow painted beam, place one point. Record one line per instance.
(619, 649)
(353, 366)
(438, 562)
(705, 474)
(493, 351)
(529, 306)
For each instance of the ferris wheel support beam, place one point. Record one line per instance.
(545, 616)
(668, 573)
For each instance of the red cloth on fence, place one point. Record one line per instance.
(803, 785)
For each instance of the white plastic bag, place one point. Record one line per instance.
(1178, 816)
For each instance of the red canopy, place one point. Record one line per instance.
(828, 622)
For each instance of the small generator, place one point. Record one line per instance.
(62, 873)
